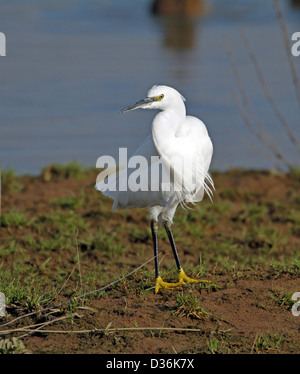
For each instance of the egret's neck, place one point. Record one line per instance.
(166, 124)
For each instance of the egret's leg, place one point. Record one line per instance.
(154, 230)
(173, 245)
(183, 278)
(159, 283)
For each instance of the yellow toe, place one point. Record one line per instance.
(183, 278)
(160, 284)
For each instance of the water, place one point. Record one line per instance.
(72, 66)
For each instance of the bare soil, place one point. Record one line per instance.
(246, 244)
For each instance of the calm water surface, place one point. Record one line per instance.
(71, 66)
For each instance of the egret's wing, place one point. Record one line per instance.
(188, 154)
(194, 138)
(150, 192)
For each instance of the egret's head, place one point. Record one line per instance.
(158, 97)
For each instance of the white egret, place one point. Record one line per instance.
(184, 149)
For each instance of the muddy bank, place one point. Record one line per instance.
(59, 240)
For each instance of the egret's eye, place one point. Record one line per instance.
(159, 98)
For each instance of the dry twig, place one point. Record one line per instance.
(76, 297)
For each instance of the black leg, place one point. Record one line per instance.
(154, 230)
(172, 242)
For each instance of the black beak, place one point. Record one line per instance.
(140, 104)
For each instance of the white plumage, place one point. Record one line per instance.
(180, 144)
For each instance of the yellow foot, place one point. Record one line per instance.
(183, 279)
(159, 284)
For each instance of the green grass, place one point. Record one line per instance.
(267, 343)
(69, 202)
(217, 345)
(105, 243)
(58, 171)
(10, 182)
(25, 290)
(139, 283)
(14, 219)
(62, 222)
(283, 298)
(188, 305)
